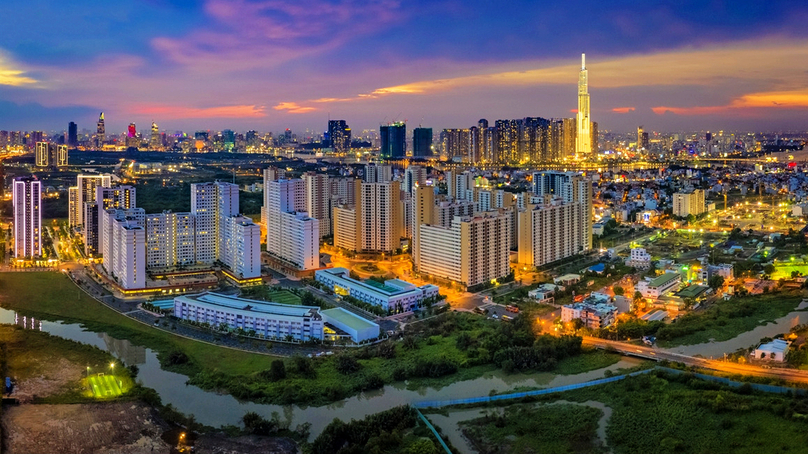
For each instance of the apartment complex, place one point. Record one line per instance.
(687, 203)
(550, 232)
(293, 236)
(472, 251)
(375, 222)
(27, 206)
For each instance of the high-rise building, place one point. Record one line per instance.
(423, 207)
(100, 132)
(107, 220)
(241, 243)
(422, 142)
(687, 203)
(642, 139)
(50, 155)
(550, 231)
(339, 136)
(42, 156)
(414, 176)
(128, 252)
(170, 240)
(282, 196)
(229, 140)
(375, 223)
(119, 198)
(456, 144)
(155, 142)
(394, 140)
(85, 192)
(318, 200)
(472, 251)
(583, 144)
(27, 206)
(570, 188)
(132, 140)
(506, 142)
(378, 173)
(72, 135)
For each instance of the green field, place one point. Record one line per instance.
(440, 351)
(653, 413)
(784, 271)
(105, 386)
(283, 297)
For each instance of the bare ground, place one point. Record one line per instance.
(56, 379)
(212, 444)
(116, 427)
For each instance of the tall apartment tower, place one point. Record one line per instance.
(318, 200)
(422, 142)
(27, 206)
(583, 139)
(119, 198)
(84, 192)
(51, 155)
(339, 136)
(72, 135)
(423, 212)
(570, 188)
(293, 237)
(155, 142)
(414, 176)
(375, 223)
(378, 173)
(394, 140)
(100, 132)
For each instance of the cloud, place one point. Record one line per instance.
(778, 64)
(794, 99)
(293, 108)
(623, 110)
(181, 112)
(12, 75)
(249, 34)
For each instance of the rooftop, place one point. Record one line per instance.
(692, 291)
(659, 281)
(233, 302)
(354, 321)
(777, 345)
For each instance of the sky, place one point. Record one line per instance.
(271, 64)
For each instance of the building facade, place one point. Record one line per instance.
(27, 206)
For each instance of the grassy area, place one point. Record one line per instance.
(784, 271)
(524, 428)
(284, 297)
(725, 320)
(590, 360)
(676, 414)
(442, 350)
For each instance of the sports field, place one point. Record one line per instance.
(104, 386)
(284, 297)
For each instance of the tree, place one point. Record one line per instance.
(619, 291)
(637, 296)
(277, 370)
(716, 282)
(769, 269)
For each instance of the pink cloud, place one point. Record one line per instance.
(244, 111)
(746, 104)
(293, 108)
(623, 110)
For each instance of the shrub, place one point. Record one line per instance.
(346, 364)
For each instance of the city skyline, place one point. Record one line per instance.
(241, 65)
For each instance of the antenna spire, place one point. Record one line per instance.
(583, 61)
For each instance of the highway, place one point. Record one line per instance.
(658, 354)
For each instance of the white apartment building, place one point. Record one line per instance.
(301, 240)
(393, 294)
(211, 203)
(378, 173)
(639, 258)
(345, 228)
(241, 243)
(414, 176)
(318, 200)
(474, 250)
(27, 206)
(129, 253)
(170, 240)
(119, 197)
(106, 223)
(84, 192)
(281, 196)
(446, 211)
(660, 285)
(550, 232)
(687, 203)
(459, 184)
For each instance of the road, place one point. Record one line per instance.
(658, 354)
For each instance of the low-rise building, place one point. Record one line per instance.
(354, 326)
(594, 314)
(393, 294)
(639, 259)
(568, 279)
(269, 320)
(773, 351)
(544, 294)
(660, 285)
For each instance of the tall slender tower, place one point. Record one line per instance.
(583, 141)
(100, 132)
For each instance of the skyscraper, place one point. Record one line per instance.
(394, 137)
(583, 141)
(85, 193)
(100, 132)
(51, 155)
(229, 139)
(72, 135)
(456, 144)
(27, 205)
(642, 139)
(421, 142)
(339, 136)
(154, 141)
(131, 136)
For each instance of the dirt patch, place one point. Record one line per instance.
(119, 427)
(58, 378)
(215, 444)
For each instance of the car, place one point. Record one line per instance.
(494, 316)
(157, 323)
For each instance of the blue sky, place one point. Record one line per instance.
(269, 64)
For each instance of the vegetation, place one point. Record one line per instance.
(440, 350)
(522, 428)
(666, 413)
(394, 431)
(727, 319)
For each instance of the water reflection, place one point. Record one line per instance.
(128, 352)
(27, 322)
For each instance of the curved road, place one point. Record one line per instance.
(656, 354)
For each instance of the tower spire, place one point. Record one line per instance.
(583, 61)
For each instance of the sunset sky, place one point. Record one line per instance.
(269, 65)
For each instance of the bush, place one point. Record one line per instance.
(304, 367)
(276, 371)
(346, 364)
(255, 424)
(176, 358)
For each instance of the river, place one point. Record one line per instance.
(215, 409)
(744, 340)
